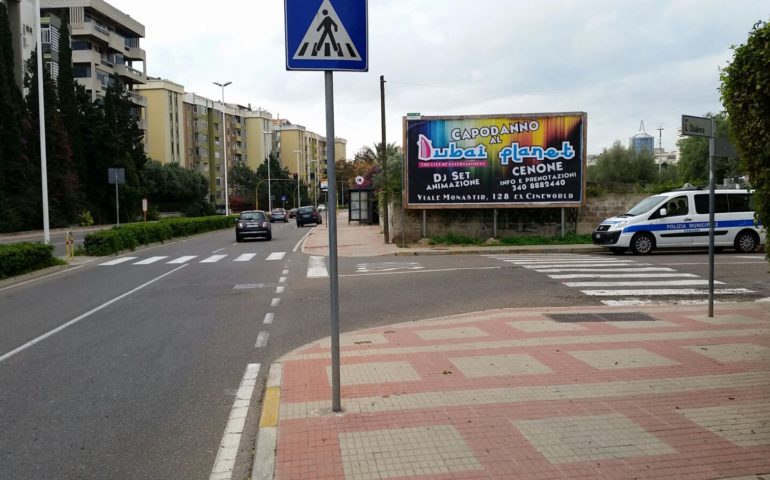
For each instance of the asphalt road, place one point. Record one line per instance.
(130, 370)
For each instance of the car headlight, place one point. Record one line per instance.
(619, 225)
(240, 225)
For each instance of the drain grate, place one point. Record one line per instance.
(576, 317)
(627, 317)
(601, 317)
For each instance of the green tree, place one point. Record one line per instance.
(66, 90)
(620, 165)
(746, 96)
(62, 182)
(171, 187)
(16, 170)
(694, 155)
(121, 119)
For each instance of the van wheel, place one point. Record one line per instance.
(642, 243)
(618, 250)
(746, 241)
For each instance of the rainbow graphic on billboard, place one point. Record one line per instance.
(496, 161)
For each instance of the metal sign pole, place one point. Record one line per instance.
(333, 274)
(712, 202)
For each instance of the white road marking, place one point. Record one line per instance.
(246, 286)
(261, 339)
(85, 315)
(647, 283)
(269, 317)
(387, 267)
(623, 275)
(218, 250)
(285, 272)
(635, 302)
(183, 259)
(275, 302)
(572, 262)
(231, 440)
(419, 271)
(148, 261)
(602, 270)
(665, 291)
(245, 257)
(282, 280)
(316, 267)
(213, 259)
(280, 289)
(118, 260)
(301, 240)
(601, 264)
(276, 256)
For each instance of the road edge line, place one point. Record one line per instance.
(267, 439)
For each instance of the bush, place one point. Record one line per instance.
(19, 258)
(128, 237)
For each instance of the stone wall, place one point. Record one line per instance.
(406, 227)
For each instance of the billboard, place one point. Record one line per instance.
(495, 161)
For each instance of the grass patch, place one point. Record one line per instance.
(569, 239)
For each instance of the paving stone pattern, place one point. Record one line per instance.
(513, 394)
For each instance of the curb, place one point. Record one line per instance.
(402, 252)
(267, 439)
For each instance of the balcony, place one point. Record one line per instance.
(92, 29)
(137, 99)
(135, 53)
(130, 74)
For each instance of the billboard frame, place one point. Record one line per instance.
(495, 205)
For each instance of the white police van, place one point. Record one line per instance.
(680, 219)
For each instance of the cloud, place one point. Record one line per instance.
(622, 62)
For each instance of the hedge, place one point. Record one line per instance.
(18, 258)
(128, 237)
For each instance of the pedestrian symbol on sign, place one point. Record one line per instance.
(326, 37)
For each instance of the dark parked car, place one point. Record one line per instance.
(279, 215)
(307, 215)
(293, 213)
(253, 224)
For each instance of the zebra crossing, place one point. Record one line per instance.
(215, 258)
(620, 281)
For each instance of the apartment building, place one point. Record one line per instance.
(303, 151)
(248, 138)
(105, 41)
(164, 137)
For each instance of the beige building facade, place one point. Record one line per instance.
(164, 119)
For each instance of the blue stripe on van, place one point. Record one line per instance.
(687, 226)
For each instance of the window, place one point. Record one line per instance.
(720, 203)
(739, 202)
(677, 206)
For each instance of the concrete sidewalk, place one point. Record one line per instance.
(549, 393)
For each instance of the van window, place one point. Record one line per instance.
(739, 202)
(645, 205)
(720, 203)
(677, 206)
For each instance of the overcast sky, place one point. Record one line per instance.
(622, 62)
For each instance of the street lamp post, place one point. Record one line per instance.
(224, 144)
(269, 193)
(41, 114)
(298, 176)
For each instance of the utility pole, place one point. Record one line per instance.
(660, 146)
(386, 229)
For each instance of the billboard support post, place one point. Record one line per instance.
(494, 223)
(562, 222)
(424, 224)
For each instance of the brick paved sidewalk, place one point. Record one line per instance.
(522, 394)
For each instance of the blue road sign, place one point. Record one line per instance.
(326, 35)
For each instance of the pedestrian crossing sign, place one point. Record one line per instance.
(326, 35)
